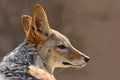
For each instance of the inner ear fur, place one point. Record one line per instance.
(40, 22)
(37, 27)
(26, 21)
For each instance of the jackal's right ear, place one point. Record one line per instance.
(26, 21)
(40, 23)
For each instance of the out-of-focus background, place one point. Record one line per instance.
(93, 27)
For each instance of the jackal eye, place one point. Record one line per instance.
(61, 46)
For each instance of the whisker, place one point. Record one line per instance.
(60, 70)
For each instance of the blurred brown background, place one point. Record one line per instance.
(93, 26)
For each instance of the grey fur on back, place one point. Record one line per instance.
(14, 66)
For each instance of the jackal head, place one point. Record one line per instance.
(53, 47)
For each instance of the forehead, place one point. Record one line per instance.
(59, 36)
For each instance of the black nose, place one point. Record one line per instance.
(86, 59)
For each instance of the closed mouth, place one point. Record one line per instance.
(69, 64)
(66, 63)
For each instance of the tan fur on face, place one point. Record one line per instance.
(54, 57)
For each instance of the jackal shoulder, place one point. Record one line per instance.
(15, 65)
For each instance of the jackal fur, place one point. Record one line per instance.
(43, 47)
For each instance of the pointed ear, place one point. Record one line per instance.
(40, 23)
(26, 21)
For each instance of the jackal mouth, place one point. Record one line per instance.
(69, 64)
(66, 63)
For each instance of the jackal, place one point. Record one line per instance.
(43, 47)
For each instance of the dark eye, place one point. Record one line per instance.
(61, 47)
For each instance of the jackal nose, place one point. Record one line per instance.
(86, 59)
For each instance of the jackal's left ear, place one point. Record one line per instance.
(26, 21)
(40, 23)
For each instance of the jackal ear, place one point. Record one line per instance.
(40, 23)
(26, 21)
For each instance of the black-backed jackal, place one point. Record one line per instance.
(43, 48)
